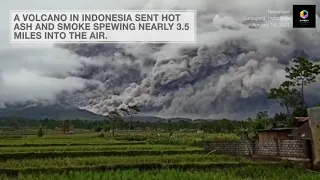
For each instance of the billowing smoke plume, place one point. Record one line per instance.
(227, 73)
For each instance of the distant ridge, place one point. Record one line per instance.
(49, 111)
(60, 112)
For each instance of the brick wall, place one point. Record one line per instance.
(293, 148)
(236, 148)
(270, 148)
(265, 148)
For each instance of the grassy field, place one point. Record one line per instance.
(114, 160)
(135, 156)
(247, 173)
(91, 148)
(124, 136)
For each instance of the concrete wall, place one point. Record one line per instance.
(314, 123)
(270, 148)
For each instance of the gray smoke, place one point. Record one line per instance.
(227, 73)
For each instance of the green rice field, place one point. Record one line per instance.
(87, 157)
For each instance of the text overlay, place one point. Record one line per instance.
(97, 26)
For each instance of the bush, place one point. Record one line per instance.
(40, 132)
(101, 135)
(98, 129)
(223, 137)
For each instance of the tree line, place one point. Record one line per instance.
(261, 121)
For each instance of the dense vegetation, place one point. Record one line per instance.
(20, 126)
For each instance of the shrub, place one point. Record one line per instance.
(98, 129)
(101, 135)
(40, 132)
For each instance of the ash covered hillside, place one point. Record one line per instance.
(41, 111)
(227, 73)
